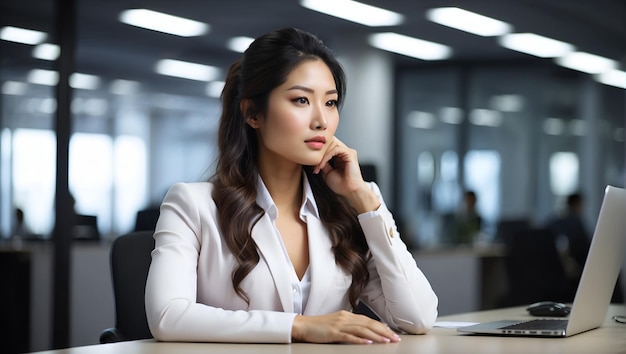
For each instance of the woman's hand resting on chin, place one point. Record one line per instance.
(344, 177)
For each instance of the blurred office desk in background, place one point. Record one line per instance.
(26, 268)
(608, 339)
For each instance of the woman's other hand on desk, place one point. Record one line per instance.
(341, 327)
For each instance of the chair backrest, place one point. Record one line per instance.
(86, 228)
(534, 267)
(146, 219)
(130, 262)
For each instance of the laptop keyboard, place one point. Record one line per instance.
(541, 324)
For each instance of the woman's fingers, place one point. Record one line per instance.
(344, 174)
(335, 148)
(343, 327)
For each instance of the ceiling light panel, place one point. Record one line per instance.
(451, 115)
(124, 87)
(186, 70)
(22, 35)
(355, 11)
(507, 103)
(485, 117)
(214, 88)
(15, 88)
(535, 44)
(421, 120)
(239, 44)
(43, 77)
(84, 81)
(47, 105)
(468, 21)
(161, 22)
(46, 51)
(615, 78)
(553, 126)
(578, 127)
(587, 62)
(89, 106)
(410, 46)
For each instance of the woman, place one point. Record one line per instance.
(286, 238)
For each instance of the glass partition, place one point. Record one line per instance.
(521, 136)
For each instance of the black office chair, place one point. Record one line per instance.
(86, 228)
(130, 261)
(534, 269)
(147, 219)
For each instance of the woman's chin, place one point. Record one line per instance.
(311, 161)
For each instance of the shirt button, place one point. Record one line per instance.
(391, 232)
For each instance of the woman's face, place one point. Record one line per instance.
(302, 116)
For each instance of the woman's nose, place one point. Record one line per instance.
(319, 120)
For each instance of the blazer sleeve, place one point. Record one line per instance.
(398, 292)
(172, 309)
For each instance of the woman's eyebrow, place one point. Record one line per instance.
(308, 89)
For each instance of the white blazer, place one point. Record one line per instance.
(189, 293)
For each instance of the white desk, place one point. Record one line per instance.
(610, 338)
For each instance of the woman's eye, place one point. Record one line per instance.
(332, 103)
(301, 100)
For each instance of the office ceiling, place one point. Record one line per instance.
(113, 50)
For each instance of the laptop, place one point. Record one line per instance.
(596, 285)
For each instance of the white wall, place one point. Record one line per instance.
(367, 117)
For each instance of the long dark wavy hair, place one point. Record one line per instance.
(264, 66)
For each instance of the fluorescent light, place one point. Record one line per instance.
(124, 87)
(421, 120)
(84, 81)
(535, 44)
(51, 78)
(468, 21)
(553, 126)
(239, 44)
(578, 127)
(486, 117)
(48, 105)
(186, 70)
(355, 11)
(89, 106)
(410, 46)
(22, 35)
(507, 103)
(158, 21)
(14, 88)
(586, 62)
(451, 115)
(95, 106)
(214, 88)
(43, 77)
(615, 78)
(46, 51)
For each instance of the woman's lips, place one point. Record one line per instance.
(316, 143)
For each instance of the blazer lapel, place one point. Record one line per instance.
(322, 265)
(270, 250)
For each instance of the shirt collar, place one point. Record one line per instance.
(309, 206)
(265, 201)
